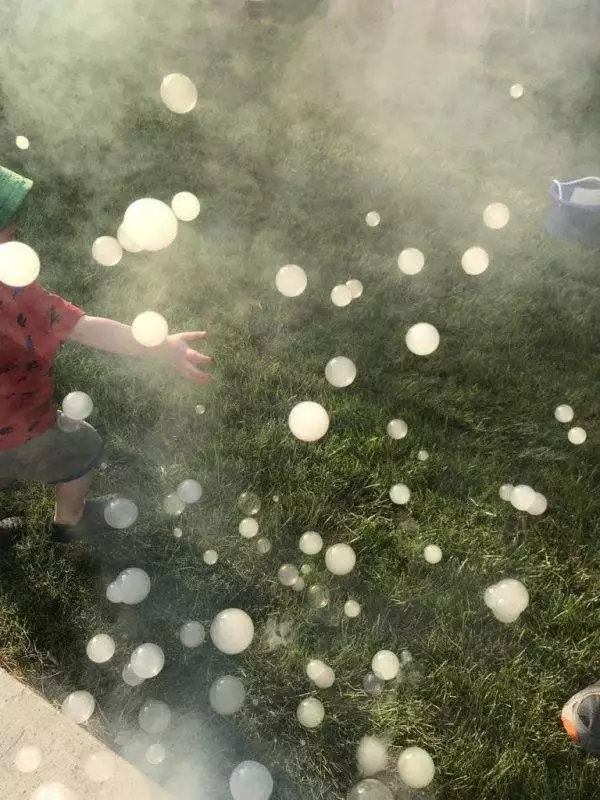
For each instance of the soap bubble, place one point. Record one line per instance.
(151, 224)
(156, 754)
(539, 505)
(299, 585)
(310, 712)
(372, 684)
(232, 631)
(370, 789)
(100, 648)
(422, 455)
(251, 781)
(411, 261)
(53, 791)
(126, 241)
(507, 599)
(400, 494)
(506, 491)
(291, 280)
(149, 329)
(22, 142)
(341, 295)
(19, 264)
(210, 557)
(385, 665)
(28, 759)
(100, 766)
(496, 216)
(310, 543)
(371, 755)
(189, 491)
(432, 554)
(173, 505)
(564, 413)
(186, 206)
(397, 429)
(248, 527)
(516, 91)
(522, 497)
(340, 372)
(129, 676)
(308, 421)
(134, 585)
(475, 260)
(107, 251)
(306, 569)
(263, 546)
(200, 409)
(227, 695)
(372, 219)
(340, 559)
(192, 634)
(177, 533)
(154, 717)
(318, 596)
(78, 706)
(352, 608)
(356, 288)
(249, 503)
(415, 767)
(178, 93)
(577, 435)
(320, 673)
(287, 574)
(422, 339)
(147, 660)
(77, 405)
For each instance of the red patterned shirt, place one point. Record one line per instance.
(33, 325)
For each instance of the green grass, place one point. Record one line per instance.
(295, 139)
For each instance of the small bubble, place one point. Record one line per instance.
(318, 596)
(200, 409)
(210, 557)
(263, 546)
(177, 533)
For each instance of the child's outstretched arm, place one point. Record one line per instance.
(114, 337)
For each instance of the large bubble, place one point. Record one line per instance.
(107, 251)
(385, 665)
(134, 585)
(77, 405)
(340, 559)
(126, 242)
(154, 717)
(120, 513)
(341, 295)
(291, 280)
(19, 264)
(507, 599)
(186, 206)
(251, 781)
(100, 648)
(147, 660)
(150, 329)
(340, 372)
(310, 543)
(192, 634)
(411, 261)
(371, 755)
(415, 767)
(475, 260)
(400, 494)
(576, 435)
(227, 695)
(432, 554)
(79, 706)
(422, 339)
(522, 497)
(496, 216)
(564, 413)
(308, 421)
(248, 527)
(372, 219)
(352, 608)
(150, 223)
(397, 429)
(310, 712)
(189, 491)
(232, 631)
(178, 93)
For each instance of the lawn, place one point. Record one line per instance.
(306, 121)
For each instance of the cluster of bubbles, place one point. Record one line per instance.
(507, 599)
(524, 498)
(130, 587)
(566, 414)
(415, 768)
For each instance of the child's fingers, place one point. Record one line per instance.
(194, 357)
(192, 336)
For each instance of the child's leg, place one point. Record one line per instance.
(70, 500)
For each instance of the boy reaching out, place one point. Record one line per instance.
(33, 326)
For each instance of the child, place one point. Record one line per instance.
(33, 326)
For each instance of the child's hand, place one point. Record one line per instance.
(184, 358)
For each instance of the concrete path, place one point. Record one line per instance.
(27, 720)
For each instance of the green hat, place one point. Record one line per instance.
(13, 191)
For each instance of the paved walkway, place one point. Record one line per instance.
(28, 720)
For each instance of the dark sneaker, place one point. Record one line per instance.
(581, 718)
(92, 522)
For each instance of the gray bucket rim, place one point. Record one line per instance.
(557, 187)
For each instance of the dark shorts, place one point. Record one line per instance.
(56, 456)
